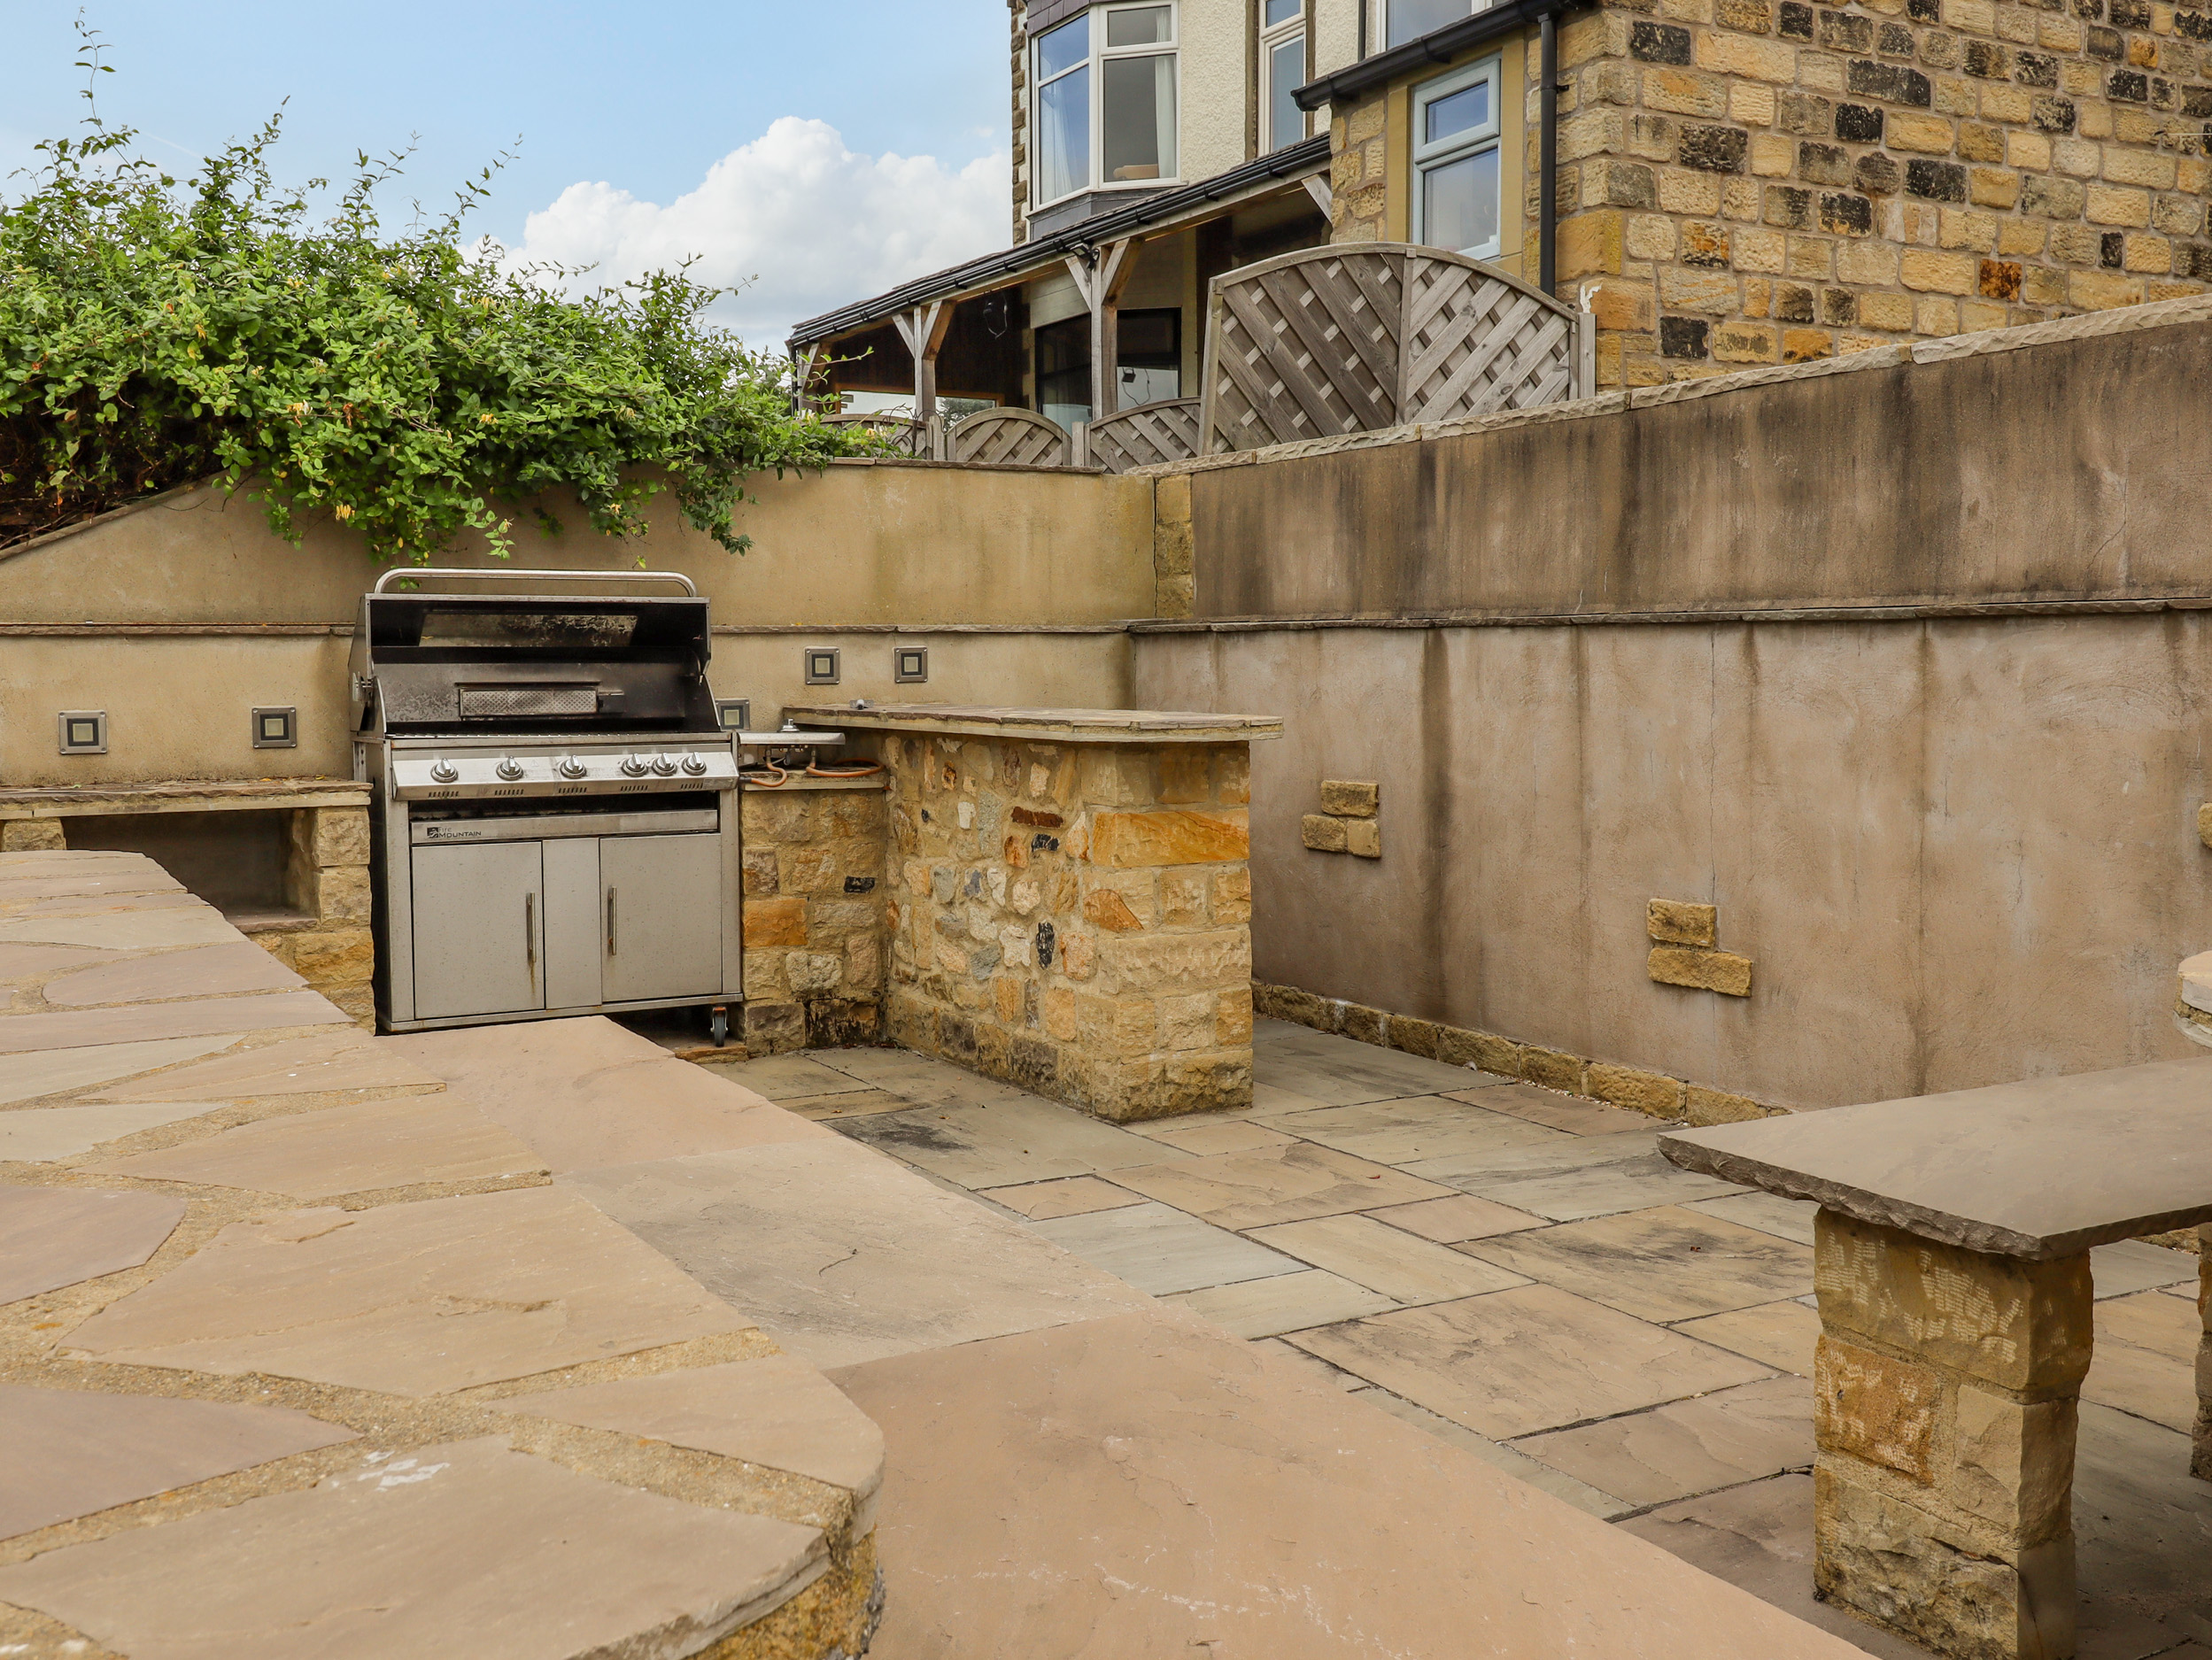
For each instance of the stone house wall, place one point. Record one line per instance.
(814, 913)
(1074, 918)
(1752, 181)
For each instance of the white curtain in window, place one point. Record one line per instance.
(1063, 134)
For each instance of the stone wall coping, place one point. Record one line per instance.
(2189, 311)
(2042, 1169)
(184, 795)
(1071, 726)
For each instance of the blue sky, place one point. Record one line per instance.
(826, 151)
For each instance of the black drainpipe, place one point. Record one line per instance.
(1548, 206)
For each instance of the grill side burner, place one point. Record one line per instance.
(555, 821)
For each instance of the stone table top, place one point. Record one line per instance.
(1059, 726)
(180, 795)
(2043, 1168)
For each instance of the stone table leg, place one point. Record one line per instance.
(1947, 1387)
(2201, 1459)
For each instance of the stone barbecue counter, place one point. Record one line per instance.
(1070, 897)
(311, 1345)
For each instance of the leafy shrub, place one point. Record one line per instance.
(155, 334)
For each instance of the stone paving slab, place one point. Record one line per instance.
(780, 1077)
(52, 1236)
(1000, 1143)
(847, 1104)
(413, 1300)
(1287, 1184)
(2142, 1529)
(1559, 1112)
(336, 1060)
(774, 1410)
(1161, 1250)
(1458, 1218)
(20, 961)
(1778, 1334)
(38, 1135)
(1419, 1127)
(358, 1147)
(1660, 1265)
(1200, 1133)
(197, 971)
(196, 1018)
(919, 1078)
(1533, 1358)
(2145, 1347)
(554, 1089)
(1374, 1254)
(1068, 1196)
(1573, 1180)
(816, 1242)
(136, 878)
(1295, 1302)
(2131, 1265)
(1688, 1447)
(465, 1543)
(29, 1077)
(1130, 1460)
(104, 904)
(1519, 1465)
(70, 1451)
(1785, 1218)
(2044, 1169)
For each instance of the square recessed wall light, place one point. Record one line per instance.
(733, 714)
(823, 665)
(909, 664)
(277, 728)
(83, 731)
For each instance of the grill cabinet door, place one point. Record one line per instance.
(659, 917)
(479, 929)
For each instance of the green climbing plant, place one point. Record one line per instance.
(156, 331)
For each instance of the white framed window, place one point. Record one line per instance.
(1105, 101)
(1456, 161)
(1282, 66)
(1404, 20)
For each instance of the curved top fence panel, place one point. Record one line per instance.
(1145, 434)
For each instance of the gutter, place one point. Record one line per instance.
(1307, 156)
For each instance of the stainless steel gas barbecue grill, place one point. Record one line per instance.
(555, 817)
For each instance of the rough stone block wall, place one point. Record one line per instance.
(814, 915)
(1771, 181)
(325, 878)
(1074, 918)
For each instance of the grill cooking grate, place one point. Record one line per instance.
(493, 702)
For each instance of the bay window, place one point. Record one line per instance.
(1128, 52)
(1282, 57)
(1456, 183)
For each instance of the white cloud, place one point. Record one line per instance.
(815, 224)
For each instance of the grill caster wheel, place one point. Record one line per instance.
(718, 1023)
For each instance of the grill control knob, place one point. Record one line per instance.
(444, 771)
(632, 768)
(570, 766)
(664, 765)
(694, 765)
(508, 768)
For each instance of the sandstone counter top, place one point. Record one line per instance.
(2041, 1169)
(1060, 726)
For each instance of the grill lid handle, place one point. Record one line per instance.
(410, 573)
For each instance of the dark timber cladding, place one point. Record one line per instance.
(1309, 155)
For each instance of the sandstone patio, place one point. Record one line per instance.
(1518, 1273)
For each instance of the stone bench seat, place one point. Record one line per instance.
(1952, 1265)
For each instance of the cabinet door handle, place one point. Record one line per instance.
(529, 933)
(610, 922)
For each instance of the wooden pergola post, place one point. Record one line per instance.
(923, 327)
(1098, 279)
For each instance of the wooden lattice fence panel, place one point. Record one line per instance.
(1336, 340)
(1145, 435)
(1010, 437)
(911, 437)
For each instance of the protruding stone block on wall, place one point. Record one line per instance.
(1722, 971)
(1679, 922)
(1073, 902)
(32, 836)
(1350, 801)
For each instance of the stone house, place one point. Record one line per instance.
(1733, 182)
